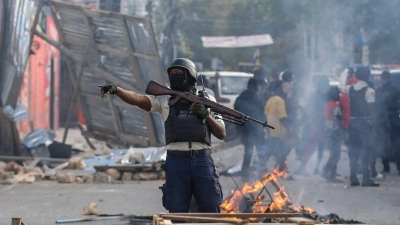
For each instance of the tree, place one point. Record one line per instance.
(309, 35)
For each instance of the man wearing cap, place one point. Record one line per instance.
(189, 167)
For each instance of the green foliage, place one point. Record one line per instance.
(287, 21)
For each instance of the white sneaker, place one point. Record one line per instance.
(379, 176)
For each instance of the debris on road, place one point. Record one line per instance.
(104, 165)
(91, 209)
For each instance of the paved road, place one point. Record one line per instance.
(46, 201)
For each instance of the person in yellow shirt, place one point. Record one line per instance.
(277, 117)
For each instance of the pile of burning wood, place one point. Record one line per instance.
(251, 199)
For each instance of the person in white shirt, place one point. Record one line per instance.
(189, 167)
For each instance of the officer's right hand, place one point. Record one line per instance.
(107, 88)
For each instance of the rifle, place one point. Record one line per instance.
(229, 115)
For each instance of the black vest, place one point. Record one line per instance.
(358, 104)
(180, 126)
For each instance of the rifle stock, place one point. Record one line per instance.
(156, 89)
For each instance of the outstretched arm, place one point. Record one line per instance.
(129, 97)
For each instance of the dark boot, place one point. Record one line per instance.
(369, 183)
(354, 181)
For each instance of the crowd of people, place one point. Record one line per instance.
(355, 115)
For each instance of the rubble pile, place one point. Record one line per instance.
(12, 172)
(46, 159)
(74, 171)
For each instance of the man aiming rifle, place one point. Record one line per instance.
(189, 167)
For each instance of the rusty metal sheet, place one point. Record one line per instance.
(122, 51)
(16, 24)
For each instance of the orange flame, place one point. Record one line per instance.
(280, 203)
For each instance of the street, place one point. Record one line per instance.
(44, 202)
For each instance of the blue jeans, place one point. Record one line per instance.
(329, 170)
(360, 135)
(191, 176)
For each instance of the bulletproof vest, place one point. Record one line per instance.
(358, 104)
(181, 126)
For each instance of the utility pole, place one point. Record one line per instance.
(168, 40)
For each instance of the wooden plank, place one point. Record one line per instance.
(155, 217)
(302, 221)
(159, 220)
(16, 221)
(21, 158)
(167, 222)
(202, 219)
(247, 224)
(239, 215)
(107, 48)
(65, 5)
(135, 18)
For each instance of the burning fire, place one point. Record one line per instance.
(240, 203)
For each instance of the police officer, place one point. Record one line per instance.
(361, 127)
(189, 167)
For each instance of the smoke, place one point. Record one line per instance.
(321, 43)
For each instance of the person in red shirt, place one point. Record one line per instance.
(333, 133)
(344, 103)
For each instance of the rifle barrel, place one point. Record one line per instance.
(155, 88)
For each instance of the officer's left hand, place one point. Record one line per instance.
(199, 110)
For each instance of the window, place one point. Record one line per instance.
(233, 85)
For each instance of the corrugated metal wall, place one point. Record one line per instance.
(118, 49)
(15, 50)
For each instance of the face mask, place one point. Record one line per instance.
(177, 81)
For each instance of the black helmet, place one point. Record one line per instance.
(185, 64)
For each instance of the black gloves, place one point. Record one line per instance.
(107, 88)
(199, 110)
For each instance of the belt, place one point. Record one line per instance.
(190, 153)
